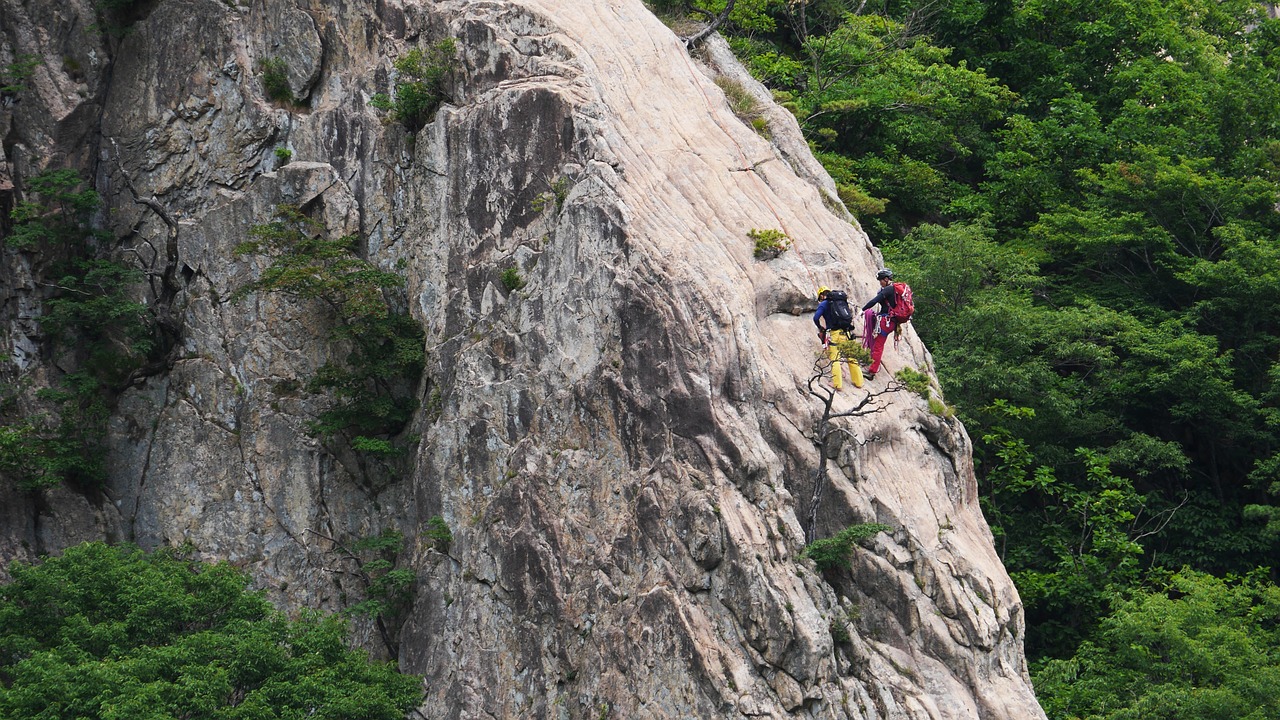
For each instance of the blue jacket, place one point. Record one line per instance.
(822, 308)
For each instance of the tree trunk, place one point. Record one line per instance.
(703, 34)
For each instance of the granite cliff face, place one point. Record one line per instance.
(624, 448)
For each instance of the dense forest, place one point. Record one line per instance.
(1083, 197)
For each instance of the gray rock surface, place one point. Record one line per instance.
(624, 448)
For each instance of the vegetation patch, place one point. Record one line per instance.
(111, 631)
(915, 381)
(275, 80)
(939, 407)
(768, 243)
(371, 391)
(511, 279)
(388, 587)
(1194, 646)
(438, 533)
(743, 104)
(92, 322)
(835, 552)
(14, 76)
(554, 198)
(840, 631)
(851, 350)
(420, 88)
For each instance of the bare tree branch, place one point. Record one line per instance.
(1163, 518)
(167, 321)
(692, 42)
(866, 405)
(169, 285)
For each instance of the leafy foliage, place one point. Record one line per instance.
(110, 631)
(1199, 647)
(555, 197)
(53, 220)
(768, 243)
(915, 381)
(849, 349)
(420, 88)
(275, 80)
(96, 310)
(41, 450)
(889, 105)
(13, 77)
(511, 279)
(92, 320)
(835, 552)
(438, 533)
(372, 391)
(746, 15)
(387, 586)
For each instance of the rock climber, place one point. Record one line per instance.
(835, 325)
(881, 324)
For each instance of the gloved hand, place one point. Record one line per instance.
(822, 335)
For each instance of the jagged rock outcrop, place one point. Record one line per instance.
(624, 448)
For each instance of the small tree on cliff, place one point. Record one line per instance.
(386, 585)
(370, 389)
(828, 428)
(421, 86)
(91, 321)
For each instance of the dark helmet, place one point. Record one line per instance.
(885, 274)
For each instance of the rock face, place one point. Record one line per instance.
(624, 449)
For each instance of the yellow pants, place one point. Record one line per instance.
(833, 353)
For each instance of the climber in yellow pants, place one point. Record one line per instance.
(834, 339)
(833, 313)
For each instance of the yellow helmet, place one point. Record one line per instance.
(822, 291)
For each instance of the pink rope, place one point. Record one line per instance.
(868, 327)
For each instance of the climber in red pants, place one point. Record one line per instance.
(887, 321)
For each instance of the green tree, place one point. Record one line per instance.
(371, 390)
(388, 588)
(1198, 647)
(897, 123)
(835, 552)
(53, 219)
(14, 76)
(91, 322)
(420, 87)
(113, 632)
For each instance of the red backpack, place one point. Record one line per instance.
(905, 306)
